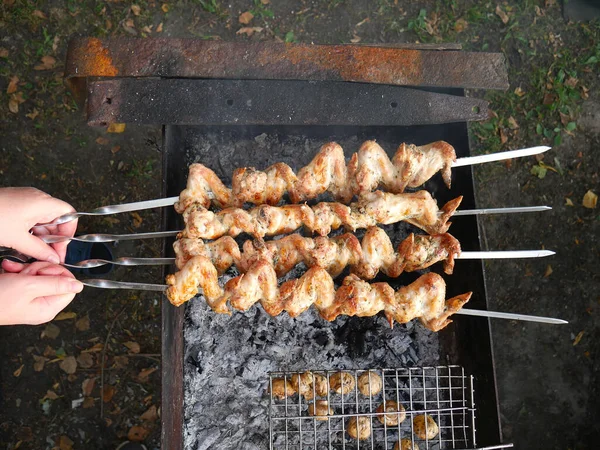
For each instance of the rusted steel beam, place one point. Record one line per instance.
(192, 58)
(272, 102)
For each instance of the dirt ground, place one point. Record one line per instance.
(92, 377)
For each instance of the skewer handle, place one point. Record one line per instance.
(114, 209)
(98, 237)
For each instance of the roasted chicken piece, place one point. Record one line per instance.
(368, 169)
(417, 208)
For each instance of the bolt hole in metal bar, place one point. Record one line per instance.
(445, 393)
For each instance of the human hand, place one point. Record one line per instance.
(31, 294)
(20, 210)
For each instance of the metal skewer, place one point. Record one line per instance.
(472, 160)
(150, 204)
(126, 261)
(107, 284)
(488, 211)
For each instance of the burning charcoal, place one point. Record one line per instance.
(342, 382)
(369, 383)
(359, 428)
(323, 410)
(394, 418)
(425, 427)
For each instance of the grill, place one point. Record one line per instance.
(281, 103)
(443, 392)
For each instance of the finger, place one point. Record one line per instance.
(55, 270)
(40, 286)
(12, 267)
(51, 208)
(64, 229)
(32, 269)
(50, 305)
(36, 248)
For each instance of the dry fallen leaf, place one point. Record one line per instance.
(519, 92)
(512, 123)
(460, 25)
(85, 360)
(68, 365)
(150, 415)
(129, 27)
(137, 222)
(165, 7)
(265, 2)
(568, 202)
(108, 393)
(83, 324)
(51, 331)
(159, 28)
(246, 17)
(116, 128)
(33, 114)
(133, 347)
(48, 62)
(17, 373)
(101, 140)
(571, 82)
(12, 85)
(39, 14)
(548, 271)
(115, 149)
(356, 39)
(145, 373)
(13, 106)
(88, 402)
(578, 338)
(503, 16)
(51, 395)
(137, 434)
(503, 136)
(39, 362)
(3, 52)
(64, 315)
(121, 361)
(249, 31)
(136, 10)
(87, 386)
(64, 443)
(55, 42)
(590, 200)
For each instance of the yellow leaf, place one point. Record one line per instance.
(137, 221)
(548, 271)
(249, 31)
(246, 17)
(133, 347)
(265, 2)
(159, 28)
(137, 434)
(33, 114)
(578, 338)
(165, 7)
(503, 16)
(13, 106)
(12, 85)
(136, 10)
(17, 373)
(51, 395)
(568, 202)
(590, 200)
(116, 128)
(460, 25)
(512, 123)
(64, 315)
(39, 14)
(64, 443)
(520, 92)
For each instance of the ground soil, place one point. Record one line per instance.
(547, 375)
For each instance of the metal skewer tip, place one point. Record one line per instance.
(510, 316)
(513, 210)
(508, 254)
(472, 160)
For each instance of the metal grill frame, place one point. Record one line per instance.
(412, 387)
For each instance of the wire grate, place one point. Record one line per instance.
(444, 393)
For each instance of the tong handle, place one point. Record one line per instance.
(114, 209)
(108, 284)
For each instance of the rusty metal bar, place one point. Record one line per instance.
(192, 58)
(271, 102)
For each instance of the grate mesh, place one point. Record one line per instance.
(444, 393)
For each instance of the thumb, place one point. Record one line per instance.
(36, 248)
(46, 285)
